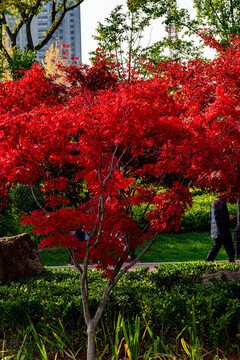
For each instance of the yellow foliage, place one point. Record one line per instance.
(54, 56)
(4, 64)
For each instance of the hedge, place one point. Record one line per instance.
(166, 296)
(196, 218)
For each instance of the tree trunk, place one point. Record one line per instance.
(238, 212)
(91, 331)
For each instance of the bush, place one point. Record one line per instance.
(166, 297)
(20, 202)
(7, 223)
(22, 199)
(196, 219)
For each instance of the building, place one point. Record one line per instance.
(69, 31)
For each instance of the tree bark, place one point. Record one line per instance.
(238, 212)
(91, 351)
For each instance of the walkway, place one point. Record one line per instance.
(137, 265)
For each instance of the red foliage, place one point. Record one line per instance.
(100, 76)
(210, 94)
(87, 153)
(100, 153)
(33, 90)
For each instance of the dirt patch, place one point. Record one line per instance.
(222, 275)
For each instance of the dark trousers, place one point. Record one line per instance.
(227, 242)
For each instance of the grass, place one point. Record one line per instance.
(181, 247)
(54, 256)
(167, 248)
(185, 246)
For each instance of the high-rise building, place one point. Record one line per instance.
(69, 31)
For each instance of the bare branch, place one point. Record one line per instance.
(146, 209)
(34, 196)
(117, 278)
(114, 167)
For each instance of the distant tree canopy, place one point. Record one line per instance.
(220, 17)
(122, 33)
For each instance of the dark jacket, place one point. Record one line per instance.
(219, 219)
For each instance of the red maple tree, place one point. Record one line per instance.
(118, 158)
(209, 94)
(95, 154)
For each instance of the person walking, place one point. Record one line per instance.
(220, 229)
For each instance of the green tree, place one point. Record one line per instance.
(24, 12)
(121, 35)
(220, 17)
(122, 32)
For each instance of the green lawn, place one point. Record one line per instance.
(181, 247)
(167, 248)
(54, 256)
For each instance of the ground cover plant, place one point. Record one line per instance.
(99, 148)
(166, 300)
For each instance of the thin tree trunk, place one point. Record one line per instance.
(238, 212)
(91, 351)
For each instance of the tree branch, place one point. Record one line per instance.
(34, 197)
(55, 25)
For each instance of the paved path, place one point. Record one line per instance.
(137, 265)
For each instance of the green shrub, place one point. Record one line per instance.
(22, 200)
(196, 219)
(7, 223)
(166, 297)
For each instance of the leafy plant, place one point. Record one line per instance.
(62, 342)
(100, 152)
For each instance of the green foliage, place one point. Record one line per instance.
(22, 199)
(24, 12)
(222, 17)
(21, 60)
(166, 297)
(122, 32)
(182, 50)
(16, 65)
(7, 223)
(196, 219)
(121, 36)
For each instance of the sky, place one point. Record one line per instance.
(94, 11)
